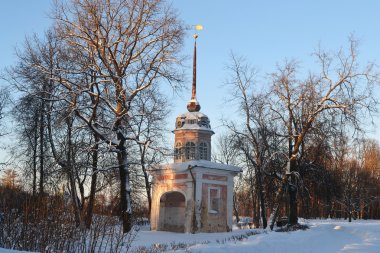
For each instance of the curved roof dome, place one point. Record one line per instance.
(193, 120)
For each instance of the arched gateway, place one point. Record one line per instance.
(192, 194)
(172, 212)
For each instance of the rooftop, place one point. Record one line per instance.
(183, 166)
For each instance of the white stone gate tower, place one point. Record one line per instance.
(192, 194)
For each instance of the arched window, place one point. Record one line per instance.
(190, 151)
(178, 151)
(203, 151)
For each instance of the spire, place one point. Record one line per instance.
(193, 105)
(194, 86)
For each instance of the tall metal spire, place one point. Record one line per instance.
(194, 86)
(193, 105)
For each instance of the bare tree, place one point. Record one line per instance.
(341, 88)
(226, 153)
(253, 139)
(371, 157)
(150, 108)
(10, 179)
(296, 115)
(4, 99)
(46, 124)
(26, 115)
(4, 96)
(32, 108)
(130, 45)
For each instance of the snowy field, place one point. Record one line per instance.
(324, 236)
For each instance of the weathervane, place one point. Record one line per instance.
(197, 28)
(193, 105)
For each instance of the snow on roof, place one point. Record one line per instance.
(199, 163)
(192, 115)
(193, 121)
(194, 127)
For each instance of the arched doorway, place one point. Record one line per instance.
(172, 212)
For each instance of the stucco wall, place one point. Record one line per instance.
(168, 183)
(193, 214)
(214, 222)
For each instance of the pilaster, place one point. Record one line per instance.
(198, 199)
(230, 190)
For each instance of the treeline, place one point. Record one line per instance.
(298, 138)
(327, 187)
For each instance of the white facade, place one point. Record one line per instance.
(199, 210)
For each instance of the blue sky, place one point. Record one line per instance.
(265, 32)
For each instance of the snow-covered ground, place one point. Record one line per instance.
(324, 236)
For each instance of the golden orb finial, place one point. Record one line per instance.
(197, 28)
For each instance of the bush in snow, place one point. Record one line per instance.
(45, 224)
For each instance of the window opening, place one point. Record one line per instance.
(178, 151)
(190, 150)
(203, 151)
(213, 200)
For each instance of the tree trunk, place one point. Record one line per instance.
(293, 212)
(349, 209)
(41, 129)
(146, 179)
(74, 196)
(148, 193)
(35, 147)
(365, 213)
(279, 194)
(255, 213)
(262, 210)
(94, 177)
(125, 188)
(236, 213)
(70, 172)
(261, 198)
(292, 191)
(81, 193)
